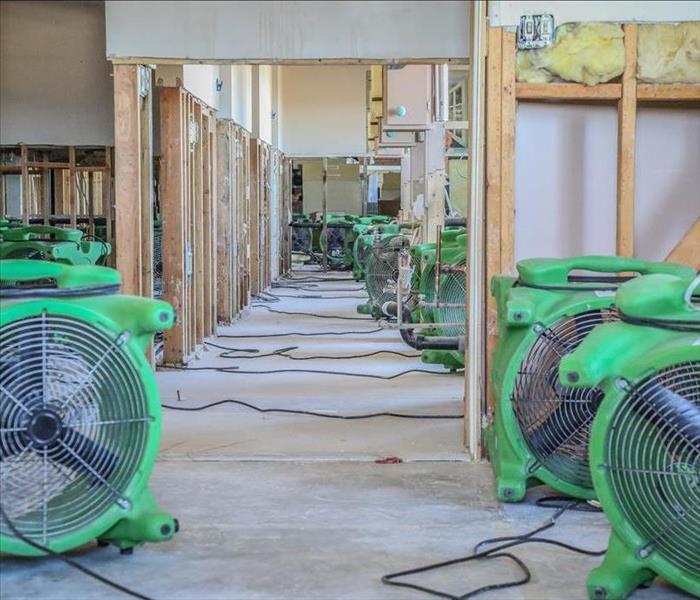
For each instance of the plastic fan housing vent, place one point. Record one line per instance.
(652, 462)
(61, 431)
(556, 421)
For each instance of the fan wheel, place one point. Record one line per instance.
(556, 421)
(652, 463)
(74, 424)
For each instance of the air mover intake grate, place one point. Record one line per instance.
(301, 239)
(73, 424)
(653, 461)
(382, 271)
(452, 293)
(556, 421)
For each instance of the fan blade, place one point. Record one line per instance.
(671, 410)
(559, 427)
(81, 454)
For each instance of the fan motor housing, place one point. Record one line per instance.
(644, 449)
(523, 314)
(129, 323)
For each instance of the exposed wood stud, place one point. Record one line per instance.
(626, 136)
(508, 108)
(687, 250)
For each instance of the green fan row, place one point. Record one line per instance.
(596, 378)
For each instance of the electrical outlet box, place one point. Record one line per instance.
(536, 31)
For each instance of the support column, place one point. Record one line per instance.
(133, 155)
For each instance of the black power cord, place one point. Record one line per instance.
(670, 324)
(237, 371)
(228, 353)
(52, 292)
(69, 561)
(564, 504)
(308, 314)
(310, 413)
(301, 334)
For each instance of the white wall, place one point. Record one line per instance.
(668, 178)
(200, 80)
(262, 102)
(55, 84)
(259, 30)
(324, 110)
(241, 95)
(509, 12)
(566, 174)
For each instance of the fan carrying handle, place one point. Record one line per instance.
(59, 234)
(552, 272)
(65, 276)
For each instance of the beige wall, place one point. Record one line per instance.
(343, 186)
(324, 110)
(55, 83)
(458, 171)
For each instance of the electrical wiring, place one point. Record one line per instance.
(69, 561)
(310, 413)
(301, 334)
(238, 371)
(283, 352)
(497, 552)
(308, 314)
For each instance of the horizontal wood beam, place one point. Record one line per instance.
(568, 91)
(668, 92)
(687, 250)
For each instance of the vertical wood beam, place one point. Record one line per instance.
(494, 88)
(626, 137)
(172, 146)
(508, 107)
(127, 177)
(24, 183)
(145, 106)
(107, 203)
(254, 221)
(224, 263)
(72, 185)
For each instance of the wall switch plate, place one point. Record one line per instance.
(536, 31)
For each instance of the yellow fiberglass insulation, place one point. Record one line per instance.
(669, 53)
(587, 53)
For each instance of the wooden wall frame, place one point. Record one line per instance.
(503, 94)
(189, 213)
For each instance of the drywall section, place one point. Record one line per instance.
(201, 81)
(565, 174)
(55, 84)
(565, 179)
(261, 31)
(507, 13)
(241, 95)
(262, 102)
(325, 110)
(344, 188)
(668, 179)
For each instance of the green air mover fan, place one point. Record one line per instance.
(382, 272)
(540, 431)
(41, 242)
(79, 410)
(362, 246)
(645, 442)
(302, 234)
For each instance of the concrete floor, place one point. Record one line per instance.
(285, 506)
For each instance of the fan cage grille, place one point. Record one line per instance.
(556, 421)
(452, 291)
(71, 369)
(382, 272)
(652, 463)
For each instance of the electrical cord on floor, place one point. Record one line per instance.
(301, 334)
(497, 552)
(308, 314)
(69, 561)
(283, 352)
(310, 413)
(238, 371)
